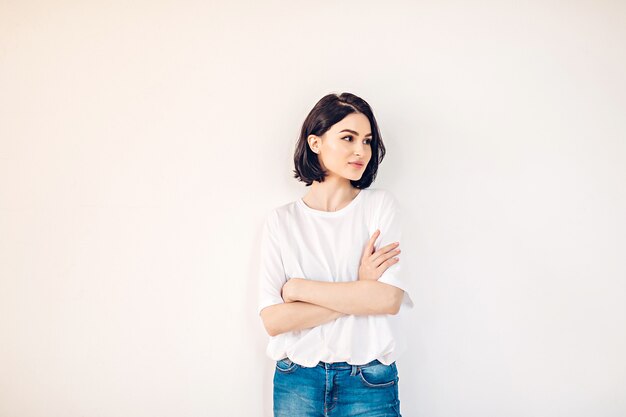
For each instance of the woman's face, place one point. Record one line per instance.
(347, 141)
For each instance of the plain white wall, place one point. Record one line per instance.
(142, 144)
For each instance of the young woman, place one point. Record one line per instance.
(331, 284)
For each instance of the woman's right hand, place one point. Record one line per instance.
(373, 264)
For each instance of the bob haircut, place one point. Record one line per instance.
(329, 110)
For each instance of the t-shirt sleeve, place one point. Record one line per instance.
(271, 270)
(389, 222)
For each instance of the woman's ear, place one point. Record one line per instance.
(314, 143)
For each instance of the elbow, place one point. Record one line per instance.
(394, 309)
(391, 298)
(269, 329)
(268, 323)
(396, 301)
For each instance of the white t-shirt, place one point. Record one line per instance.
(299, 241)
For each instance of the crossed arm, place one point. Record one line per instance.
(310, 303)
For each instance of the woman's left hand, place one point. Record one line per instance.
(289, 290)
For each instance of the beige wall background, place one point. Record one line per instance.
(142, 144)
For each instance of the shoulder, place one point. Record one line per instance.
(382, 198)
(284, 210)
(279, 214)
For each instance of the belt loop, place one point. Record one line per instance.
(354, 370)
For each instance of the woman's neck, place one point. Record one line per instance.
(330, 195)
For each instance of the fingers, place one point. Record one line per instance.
(369, 248)
(386, 265)
(384, 257)
(374, 237)
(386, 249)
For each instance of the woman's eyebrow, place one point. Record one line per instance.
(355, 132)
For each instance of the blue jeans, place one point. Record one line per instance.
(336, 390)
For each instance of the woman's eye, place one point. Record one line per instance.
(367, 141)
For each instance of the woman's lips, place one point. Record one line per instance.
(354, 164)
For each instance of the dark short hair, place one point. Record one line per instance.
(329, 110)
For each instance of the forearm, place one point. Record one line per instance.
(354, 297)
(285, 317)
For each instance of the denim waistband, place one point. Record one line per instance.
(345, 365)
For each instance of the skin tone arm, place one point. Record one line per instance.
(312, 303)
(296, 315)
(354, 297)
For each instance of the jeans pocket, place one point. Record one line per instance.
(286, 366)
(379, 375)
